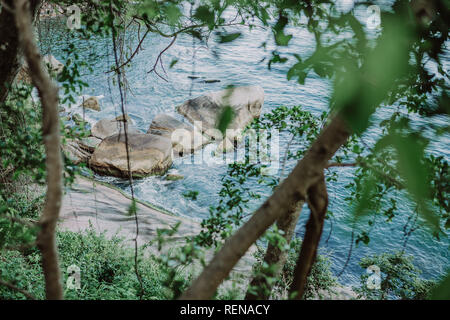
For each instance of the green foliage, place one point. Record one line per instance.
(388, 68)
(70, 77)
(22, 271)
(441, 291)
(399, 278)
(20, 136)
(236, 193)
(176, 261)
(106, 268)
(320, 281)
(17, 213)
(228, 37)
(400, 165)
(191, 194)
(225, 119)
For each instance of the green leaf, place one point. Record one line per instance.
(204, 14)
(228, 37)
(281, 38)
(173, 14)
(442, 289)
(173, 62)
(225, 119)
(414, 170)
(364, 202)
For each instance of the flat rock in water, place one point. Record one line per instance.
(205, 110)
(90, 203)
(183, 136)
(106, 209)
(149, 154)
(210, 81)
(108, 127)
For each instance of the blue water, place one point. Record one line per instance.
(239, 63)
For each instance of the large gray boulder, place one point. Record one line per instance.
(108, 127)
(246, 103)
(149, 154)
(183, 136)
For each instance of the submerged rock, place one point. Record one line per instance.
(182, 135)
(108, 127)
(91, 103)
(174, 177)
(149, 154)
(210, 81)
(246, 103)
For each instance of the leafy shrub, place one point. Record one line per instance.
(320, 279)
(399, 278)
(106, 268)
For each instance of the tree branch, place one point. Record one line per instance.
(274, 255)
(133, 55)
(337, 164)
(159, 58)
(318, 204)
(48, 93)
(294, 188)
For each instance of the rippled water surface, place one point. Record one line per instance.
(239, 63)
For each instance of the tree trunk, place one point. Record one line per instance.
(48, 93)
(318, 204)
(10, 53)
(275, 256)
(293, 189)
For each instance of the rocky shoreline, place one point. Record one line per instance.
(92, 203)
(152, 152)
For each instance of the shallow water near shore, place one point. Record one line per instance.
(239, 63)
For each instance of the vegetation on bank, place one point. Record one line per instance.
(107, 271)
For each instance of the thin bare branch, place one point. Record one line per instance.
(159, 58)
(138, 48)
